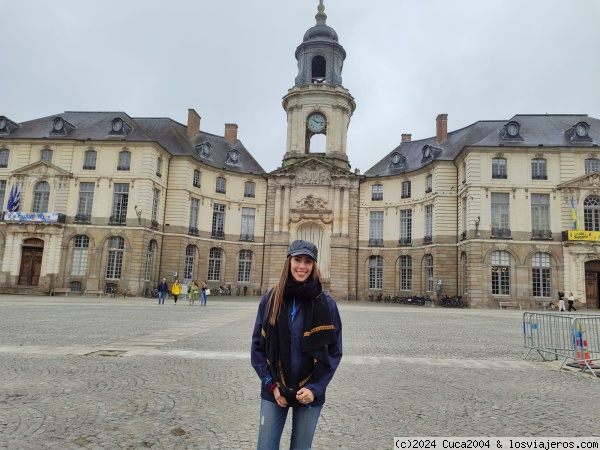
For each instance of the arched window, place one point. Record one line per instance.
(149, 260)
(80, 255)
(46, 155)
(499, 168)
(428, 266)
(214, 264)
(500, 273)
(190, 258)
(318, 69)
(41, 197)
(591, 213)
(124, 160)
(89, 160)
(405, 273)
(540, 275)
(376, 272)
(244, 266)
(114, 257)
(4, 153)
(592, 165)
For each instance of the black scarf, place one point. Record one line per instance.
(319, 333)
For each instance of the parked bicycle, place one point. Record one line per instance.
(451, 302)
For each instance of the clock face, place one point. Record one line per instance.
(316, 122)
(581, 130)
(118, 125)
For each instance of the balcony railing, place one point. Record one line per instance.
(405, 241)
(375, 242)
(117, 220)
(246, 237)
(154, 224)
(377, 197)
(18, 216)
(539, 177)
(501, 233)
(83, 218)
(89, 167)
(428, 190)
(123, 167)
(159, 174)
(497, 176)
(218, 234)
(427, 240)
(541, 234)
(193, 231)
(463, 236)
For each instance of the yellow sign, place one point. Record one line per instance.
(576, 235)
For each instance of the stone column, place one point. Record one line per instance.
(336, 210)
(346, 209)
(286, 208)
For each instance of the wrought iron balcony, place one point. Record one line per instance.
(541, 234)
(123, 167)
(246, 237)
(405, 196)
(463, 236)
(498, 176)
(405, 241)
(89, 167)
(375, 242)
(427, 239)
(218, 234)
(158, 174)
(193, 231)
(428, 190)
(154, 224)
(377, 196)
(18, 216)
(83, 218)
(196, 184)
(501, 233)
(117, 220)
(539, 177)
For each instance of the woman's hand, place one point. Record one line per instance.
(280, 399)
(305, 396)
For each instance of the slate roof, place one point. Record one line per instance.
(169, 134)
(545, 129)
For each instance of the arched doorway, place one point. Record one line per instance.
(315, 234)
(592, 278)
(32, 254)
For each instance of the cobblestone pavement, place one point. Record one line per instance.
(116, 373)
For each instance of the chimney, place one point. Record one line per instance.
(231, 132)
(406, 137)
(441, 129)
(193, 125)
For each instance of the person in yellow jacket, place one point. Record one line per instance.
(176, 290)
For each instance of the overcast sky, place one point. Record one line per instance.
(233, 61)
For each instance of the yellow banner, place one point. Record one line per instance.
(576, 235)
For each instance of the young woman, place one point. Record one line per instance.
(203, 294)
(176, 290)
(193, 293)
(296, 348)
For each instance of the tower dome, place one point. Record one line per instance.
(321, 30)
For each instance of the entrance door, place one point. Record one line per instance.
(591, 288)
(31, 262)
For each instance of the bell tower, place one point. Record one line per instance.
(318, 103)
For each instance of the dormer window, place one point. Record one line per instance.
(429, 153)
(7, 125)
(581, 129)
(118, 127)
(61, 127)
(397, 161)
(511, 131)
(579, 132)
(233, 157)
(3, 123)
(204, 150)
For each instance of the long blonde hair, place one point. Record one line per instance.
(276, 297)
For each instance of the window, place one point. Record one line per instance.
(124, 160)
(500, 216)
(4, 153)
(499, 168)
(75, 286)
(540, 267)
(406, 189)
(377, 192)
(244, 266)
(375, 272)
(114, 260)
(214, 264)
(464, 217)
(159, 167)
(149, 260)
(428, 224)
(89, 160)
(80, 255)
(591, 213)
(540, 216)
(428, 261)
(120, 200)
(249, 189)
(592, 165)
(376, 228)
(2, 194)
(464, 172)
(465, 277)
(500, 273)
(218, 223)
(405, 273)
(405, 227)
(190, 258)
(46, 155)
(247, 231)
(194, 207)
(429, 184)
(221, 185)
(196, 182)
(154, 213)
(538, 169)
(41, 197)
(86, 201)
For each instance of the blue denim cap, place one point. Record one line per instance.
(301, 247)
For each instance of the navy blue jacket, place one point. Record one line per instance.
(296, 327)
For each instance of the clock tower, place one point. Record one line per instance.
(318, 103)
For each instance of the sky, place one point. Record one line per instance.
(233, 61)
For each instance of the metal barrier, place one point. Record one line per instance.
(570, 336)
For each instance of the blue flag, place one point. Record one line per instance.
(14, 199)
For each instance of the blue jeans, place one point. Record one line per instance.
(203, 298)
(272, 421)
(161, 298)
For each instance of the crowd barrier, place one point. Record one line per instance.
(573, 337)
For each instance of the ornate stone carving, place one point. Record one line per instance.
(594, 179)
(313, 174)
(501, 246)
(311, 202)
(542, 248)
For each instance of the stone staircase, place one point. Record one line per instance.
(23, 290)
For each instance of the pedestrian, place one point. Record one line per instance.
(561, 301)
(204, 293)
(176, 290)
(193, 293)
(571, 300)
(163, 288)
(296, 349)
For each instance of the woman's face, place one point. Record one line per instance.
(301, 267)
